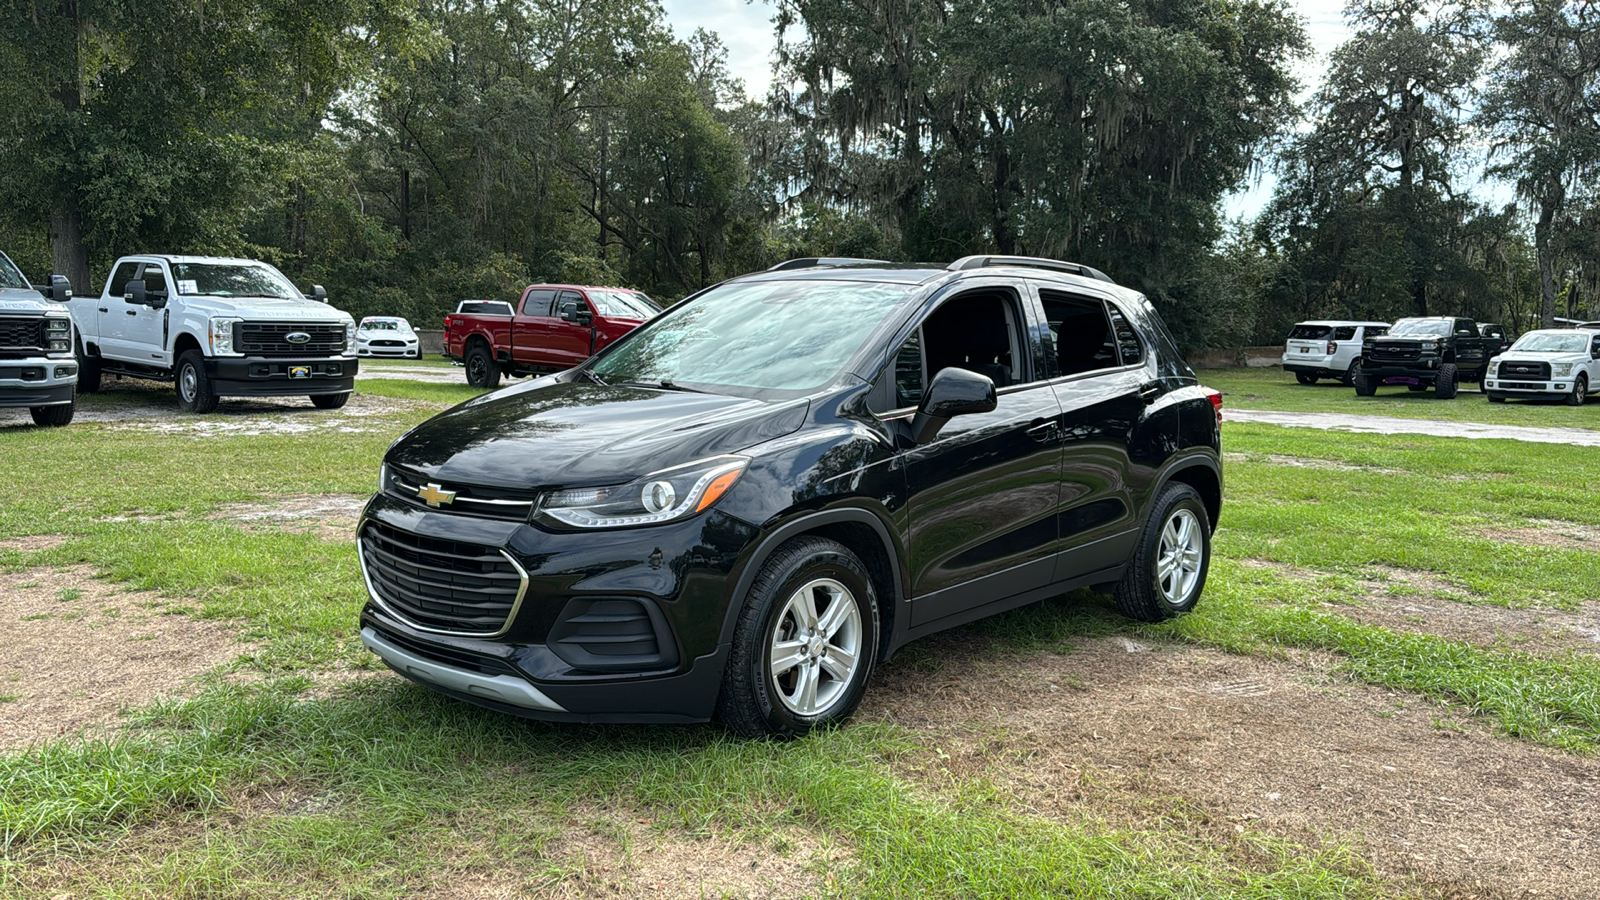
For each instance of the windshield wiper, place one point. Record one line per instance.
(592, 376)
(664, 384)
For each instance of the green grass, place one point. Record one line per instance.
(1275, 389)
(394, 788)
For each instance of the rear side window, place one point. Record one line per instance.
(1310, 333)
(1083, 336)
(1344, 333)
(538, 303)
(1129, 347)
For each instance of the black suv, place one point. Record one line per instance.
(738, 509)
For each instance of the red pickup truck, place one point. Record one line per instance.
(553, 327)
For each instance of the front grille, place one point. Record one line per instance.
(469, 499)
(21, 336)
(440, 585)
(1395, 353)
(1536, 370)
(271, 339)
(386, 343)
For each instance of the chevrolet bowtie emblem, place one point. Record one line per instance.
(434, 495)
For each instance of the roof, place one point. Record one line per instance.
(1341, 322)
(931, 273)
(171, 258)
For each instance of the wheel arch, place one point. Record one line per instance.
(863, 533)
(1204, 475)
(183, 344)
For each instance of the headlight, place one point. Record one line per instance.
(659, 497)
(58, 334)
(349, 333)
(1430, 345)
(222, 334)
(1561, 370)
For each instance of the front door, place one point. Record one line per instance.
(533, 328)
(983, 495)
(146, 325)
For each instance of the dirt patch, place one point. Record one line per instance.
(153, 408)
(1548, 533)
(1539, 631)
(1308, 462)
(1227, 745)
(76, 652)
(612, 853)
(330, 516)
(33, 543)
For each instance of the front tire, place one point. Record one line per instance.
(481, 370)
(52, 416)
(805, 643)
(1365, 386)
(1305, 378)
(195, 393)
(1168, 569)
(1580, 391)
(330, 401)
(1445, 387)
(1497, 398)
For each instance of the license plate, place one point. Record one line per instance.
(299, 371)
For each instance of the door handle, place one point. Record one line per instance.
(1150, 391)
(133, 312)
(1042, 430)
(103, 309)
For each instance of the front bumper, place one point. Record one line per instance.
(1424, 369)
(1556, 387)
(617, 626)
(255, 376)
(413, 352)
(37, 381)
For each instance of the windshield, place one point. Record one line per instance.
(1422, 328)
(233, 280)
(620, 305)
(10, 275)
(784, 335)
(1552, 342)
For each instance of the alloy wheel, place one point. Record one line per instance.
(1179, 557)
(816, 646)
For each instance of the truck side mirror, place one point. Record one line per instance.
(570, 312)
(60, 289)
(134, 293)
(318, 293)
(954, 392)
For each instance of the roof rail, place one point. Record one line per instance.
(812, 262)
(1033, 262)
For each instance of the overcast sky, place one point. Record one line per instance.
(747, 31)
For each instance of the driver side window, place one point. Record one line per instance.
(977, 331)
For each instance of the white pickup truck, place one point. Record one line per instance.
(216, 328)
(37, 370)
(1553, 363)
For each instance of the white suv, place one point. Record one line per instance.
(1555, 362)
(1328, 349)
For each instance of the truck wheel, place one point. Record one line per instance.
(804, 645)
(481, 370)
(1168, 569)
(1497, 398)
(88, 373)
(52, 416)
(1445, 387)
(1305, 378)
(194, 385)
(1580, 391)
(1365, 386)
(330, 401)
(1352, 373)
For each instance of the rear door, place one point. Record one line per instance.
(1470, 356)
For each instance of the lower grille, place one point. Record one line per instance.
(272, 339)
(610, 634)
(22, 334)
(449, 656)
(447, 586)
(1535, 370)
(386, 343)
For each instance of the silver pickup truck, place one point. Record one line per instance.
(37, 369)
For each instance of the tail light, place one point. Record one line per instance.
(1333, 347)
(1215, 396)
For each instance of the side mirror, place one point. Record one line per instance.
(570, 312)
(60, 289)
(954, 392)
(318, 293)
(134, 293)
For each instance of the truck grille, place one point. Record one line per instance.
(468, 500)
(1387, 354)
(271, 339)
(21, 337)
(1539, 371)
(440, 585)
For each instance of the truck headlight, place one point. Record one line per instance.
(1561, 370)
(349, 334)
(1430, 345)
(659, 497)
(222, 334)
(58, 334)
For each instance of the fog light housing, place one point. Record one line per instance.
(66, 371)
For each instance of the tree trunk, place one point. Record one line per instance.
(68, 254)
(405, 204)
(1547, 265)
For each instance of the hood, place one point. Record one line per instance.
(1543, 355)
(19, 300)
(268, 308)
(573, 434)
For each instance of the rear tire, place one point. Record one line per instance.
(1580, 391)
(805, 644)
(52, 416)
(1445, 387)
(481, 370)
(330, 401)
(1352, 373)
(1365, 386)
(1168, 569)
(194, 385)
(1305, 378)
